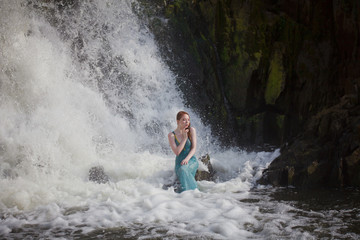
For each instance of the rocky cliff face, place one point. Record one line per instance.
(284, 73)
(272, 64)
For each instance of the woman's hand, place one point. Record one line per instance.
(184, 162)
(185, 134)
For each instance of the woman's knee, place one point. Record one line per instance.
(183, 169)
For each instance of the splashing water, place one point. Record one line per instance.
(85, 86)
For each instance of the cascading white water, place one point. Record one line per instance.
(86, 86)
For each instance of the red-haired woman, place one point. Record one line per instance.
(183, 143)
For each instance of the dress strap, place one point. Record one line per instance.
(176, 137)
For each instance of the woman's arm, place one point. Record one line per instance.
(193, 146)
(176, 149)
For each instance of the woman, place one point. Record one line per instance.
(183, 143)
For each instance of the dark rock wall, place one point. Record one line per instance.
(271, 65)
(281, 73)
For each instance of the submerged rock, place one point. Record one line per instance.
(98, 175)
(175, 185)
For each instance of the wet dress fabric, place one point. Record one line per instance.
(186, 173)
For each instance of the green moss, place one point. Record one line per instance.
(291, 173)
(252, 120)
(203, 37)
(169, 10)
(238, 75)
(178, 4)
(280, 121)
(275, 82)
(225, 55)
(240, 121)
(194, 51)
(257, 56)
(257, 117)
(312, 168)
(223, 33)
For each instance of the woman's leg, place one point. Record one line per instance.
(186, 174)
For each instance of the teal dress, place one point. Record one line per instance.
(186, 173)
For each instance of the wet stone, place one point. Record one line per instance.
(98, 175)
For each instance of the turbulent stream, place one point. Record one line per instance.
(86, 86)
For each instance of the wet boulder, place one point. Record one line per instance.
(98, 175)
(205, 171)
(325, 155)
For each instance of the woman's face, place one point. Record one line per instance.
(184, 121)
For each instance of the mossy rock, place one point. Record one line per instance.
(276, 80)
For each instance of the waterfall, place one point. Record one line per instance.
(83, 84)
